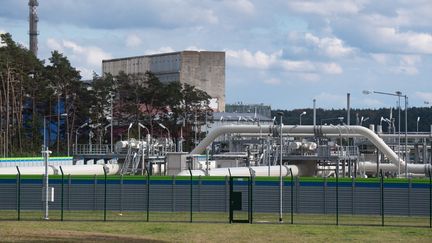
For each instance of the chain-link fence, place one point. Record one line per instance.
(347, 201)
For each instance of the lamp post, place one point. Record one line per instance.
(164, 127)
(140, 125)
(76, 136)
(130, 126)
(399, 95)
(363, 119)
(418, 119)
(340, 118)
(45, 153)
(280, 169)
(300, 117)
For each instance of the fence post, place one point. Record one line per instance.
(121, 195)
(430, 197)
(250, 189)
(382, 197)
(105, 192)
(191, 195)
(292, 197)
(19, 193)
(337, 197)
(62, 193)
(148, 193)
(325, 194)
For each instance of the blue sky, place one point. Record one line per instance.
(278, 52)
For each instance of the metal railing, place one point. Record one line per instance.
(92, 149)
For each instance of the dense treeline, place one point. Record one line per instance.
(363, 117)
(31, 90)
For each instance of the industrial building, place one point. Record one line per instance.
(203, 69)
(260, 109)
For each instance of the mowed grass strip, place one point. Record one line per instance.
(43, 231)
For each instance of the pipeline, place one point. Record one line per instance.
(111, 169)
(362, 131)
(245, 171)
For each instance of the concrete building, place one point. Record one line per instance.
(203, 69)
(261, 109)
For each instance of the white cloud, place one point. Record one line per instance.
(258, 60)
(326, 7)
(194, 48)
(163, 49)
(404, 42)
(272, 81)
(425, 96)
(93, 55)
(329, 46)
(324, 99)
(243, 6)
(298, 66)
(331, 68)
(263, 61)
(399, 64)
(53, 44)
(133, 41)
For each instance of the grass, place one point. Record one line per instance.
(42, 231)
(175, 227)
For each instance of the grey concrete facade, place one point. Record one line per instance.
(203, 69)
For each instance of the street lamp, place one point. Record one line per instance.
(418, 119)
(363, 119)
(280, 169)
(76, 136)
(45, 154)
(140, 125)
(399, 95)
(340, 118)
(130, 125)
(300, 117)
(164, 127)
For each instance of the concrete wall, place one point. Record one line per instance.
(204, 70)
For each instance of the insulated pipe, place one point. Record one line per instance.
(111, 169)
(244, 171)
(371, 136)
(412, 168)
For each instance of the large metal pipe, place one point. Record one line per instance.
(111, 169)
(245, 171)
(366, 133)
(371, 167)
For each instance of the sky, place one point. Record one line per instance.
(278, 52)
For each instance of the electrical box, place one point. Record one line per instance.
(50, 194)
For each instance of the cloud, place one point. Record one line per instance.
(53, 44)
(331, 68)
(326, 7)
(329, 46)
(263, 61)
(272, 81)
(133, 41)
(86, 58)
(243, 6)
(425, 96)
(93, 55)
(404, 42)
(257, 60)
(163, 49)
(325, 98)
(398, 64)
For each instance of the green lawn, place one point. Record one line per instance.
(54, 231)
